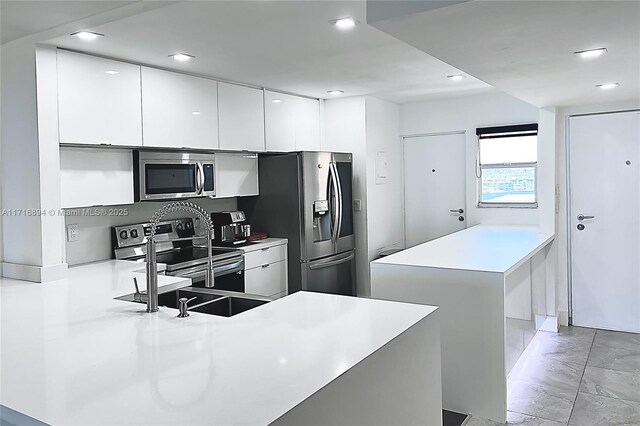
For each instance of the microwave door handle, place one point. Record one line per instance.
(199, 178)
(334, 205)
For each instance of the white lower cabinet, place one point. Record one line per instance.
(266, 280)
(95, 177)
(266, 271)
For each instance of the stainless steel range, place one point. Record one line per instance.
(182, 258)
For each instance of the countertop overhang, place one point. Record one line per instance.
(481, 248)
(72, 354)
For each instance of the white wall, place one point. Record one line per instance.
(95, 231)
(345, 131)
(562, 227)
(466, 114)
(385, 219)
(32, 241)
(365, 126)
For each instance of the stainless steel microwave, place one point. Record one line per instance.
(170, 175)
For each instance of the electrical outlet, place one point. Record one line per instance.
(357, 205)
(73, 233)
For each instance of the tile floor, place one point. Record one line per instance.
(579, 377)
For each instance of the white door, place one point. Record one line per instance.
(434, 186)
(605, 220)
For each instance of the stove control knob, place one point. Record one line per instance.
(179, 226)
(133, 233)
(123, 235)
(189, 225)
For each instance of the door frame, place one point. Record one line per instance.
(569, 213)
(403, 139)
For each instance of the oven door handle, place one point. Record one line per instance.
(219, 269)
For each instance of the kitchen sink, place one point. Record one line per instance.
(212, 302)
(229, 306)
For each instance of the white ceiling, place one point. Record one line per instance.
(283, 45)
(26, 17)
(525, 48)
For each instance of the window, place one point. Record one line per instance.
(507, 166)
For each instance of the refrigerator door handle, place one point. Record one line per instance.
(334, 206)
(332, 262)
(340, 201)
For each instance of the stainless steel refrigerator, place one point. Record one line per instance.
(307, 198)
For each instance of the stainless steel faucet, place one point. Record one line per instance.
(152, 265)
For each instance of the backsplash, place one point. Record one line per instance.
(95, 231)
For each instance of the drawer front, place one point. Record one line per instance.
(268, 280)
(265, 256)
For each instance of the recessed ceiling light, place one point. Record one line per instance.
(276, 101)
(607, 86)
(87, 35)
(335, 92)
(196, 113)
(111, 72)
(181, 57)
(344, 23)
(591, 53)
(455, 77)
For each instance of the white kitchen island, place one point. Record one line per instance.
(489, 283)
(72, 354)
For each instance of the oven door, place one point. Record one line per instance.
(228, 274)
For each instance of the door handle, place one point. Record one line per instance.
(460, 211)
(584, 217)
(199, 178)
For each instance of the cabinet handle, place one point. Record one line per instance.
(265, 265)
(266, 248)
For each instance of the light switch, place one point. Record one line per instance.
(357, 205)
(382, 167)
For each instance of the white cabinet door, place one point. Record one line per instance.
(241, 113)
(99, 100)
(307, 126)
(266, 280)
(292, 123)
(236, 175)
(95, 177)
(179, 111)
(280, 122)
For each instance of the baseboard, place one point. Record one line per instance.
(550, 324)
(38, 274)
(563, 318)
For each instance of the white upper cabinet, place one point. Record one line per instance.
(95, 177)
(99, 100)
(241, 117)
(178, 110)
(307, 124)
(236, 175)
(292, 123)
(280, 123)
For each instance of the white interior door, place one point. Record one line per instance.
(434, 186)
(604, 157)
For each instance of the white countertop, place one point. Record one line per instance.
(480, 248)
(71, 354)
(263, 244)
